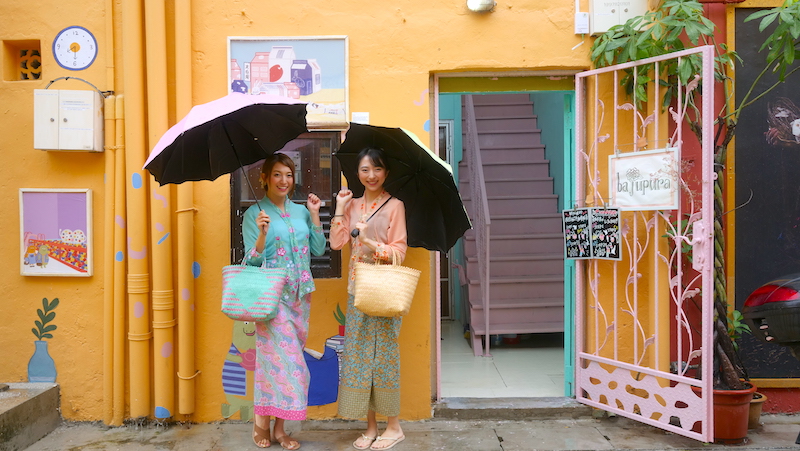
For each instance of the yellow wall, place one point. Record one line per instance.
(394, 48)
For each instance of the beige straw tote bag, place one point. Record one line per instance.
(385, 290)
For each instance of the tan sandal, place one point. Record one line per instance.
(364, 436)
(287, 442)
(396, 440)
(261, 435)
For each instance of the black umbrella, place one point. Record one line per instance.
(435, 214)
(223, 135)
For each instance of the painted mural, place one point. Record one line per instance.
(312, 69)
(41, 366)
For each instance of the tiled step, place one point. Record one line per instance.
(499, 186)
(500, 99)
(536, 244)
(519, 287)
(513, 138)
(526, 168)
(521, 203)
(494, 123)
(511, 154)
(502, 109)
(519, 265)
(525, 224)
(519, 316)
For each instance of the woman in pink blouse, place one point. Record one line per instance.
(375, 226)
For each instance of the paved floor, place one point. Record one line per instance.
(778, 432)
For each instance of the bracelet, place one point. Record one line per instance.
(334, 216)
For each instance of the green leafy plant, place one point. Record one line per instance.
(737, 327)
(46, 315)
(339, 315)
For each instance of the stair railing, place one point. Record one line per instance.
(481, 221)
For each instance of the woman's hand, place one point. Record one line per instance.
(262, 222)
(313, 203)
(343, 196)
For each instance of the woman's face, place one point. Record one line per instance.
(280, 181)
(371, 176)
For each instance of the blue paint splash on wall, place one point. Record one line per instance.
(163, 238)
(119, 256)
(196, 269)
(136, 180)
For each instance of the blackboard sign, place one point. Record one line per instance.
(592, 233)
(577, 243)
(605, 233)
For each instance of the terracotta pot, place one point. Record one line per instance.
(754, 419)
(731, 414)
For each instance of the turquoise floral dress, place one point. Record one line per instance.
(281, 375)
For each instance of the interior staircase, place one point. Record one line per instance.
(526, 268)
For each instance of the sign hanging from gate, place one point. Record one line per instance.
(645, 180)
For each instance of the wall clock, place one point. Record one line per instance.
(75, 48)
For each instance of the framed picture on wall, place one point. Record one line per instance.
(55, 232)
(312, 69)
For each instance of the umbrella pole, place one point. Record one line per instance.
(241, 166)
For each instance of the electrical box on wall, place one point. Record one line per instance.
(604, 14)
(67, 120)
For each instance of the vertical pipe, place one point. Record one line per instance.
(161, 236)
(139, 333)
(185, 218)
(108, 259)
(119, 266)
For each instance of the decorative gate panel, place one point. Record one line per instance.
(643, 323)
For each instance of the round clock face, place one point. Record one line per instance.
(75, 48)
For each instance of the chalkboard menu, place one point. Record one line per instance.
(605, 233)
(592, 233)
(577, 242)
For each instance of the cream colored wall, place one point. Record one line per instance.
(393, 50)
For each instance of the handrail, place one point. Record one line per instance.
(480, 208)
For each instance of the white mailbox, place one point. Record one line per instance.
(604, 14)
(67, 120)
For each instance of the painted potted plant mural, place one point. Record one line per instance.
(340, 318)
(673, 26)
(42, 367)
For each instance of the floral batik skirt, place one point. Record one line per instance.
(370, 378)
(281, 376)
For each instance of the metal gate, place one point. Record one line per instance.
(643, 324)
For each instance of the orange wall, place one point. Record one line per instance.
(394, 48)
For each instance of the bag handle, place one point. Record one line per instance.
(250, 252)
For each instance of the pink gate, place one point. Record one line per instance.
(643, 323)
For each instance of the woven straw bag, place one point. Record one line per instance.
(385, 290)
(251, 293)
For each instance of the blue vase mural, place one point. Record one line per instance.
(42, 367)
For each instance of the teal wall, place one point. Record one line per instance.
(549, 108)
(450, 108)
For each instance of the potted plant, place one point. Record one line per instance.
(41, 367)
(673, 26)
(340, 318)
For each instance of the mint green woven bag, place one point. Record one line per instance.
(251, 293)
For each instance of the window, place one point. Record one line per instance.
(317, 171)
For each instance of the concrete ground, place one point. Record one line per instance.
(778, 432)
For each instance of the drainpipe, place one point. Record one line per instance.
(161, 236)
(119, 266)
(185, 217)
(109, 109)
(139, 333)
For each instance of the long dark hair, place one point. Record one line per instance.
(376, 156)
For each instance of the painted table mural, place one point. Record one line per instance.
(55, 229)
(312, 69)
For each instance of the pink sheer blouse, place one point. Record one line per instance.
(387, 227)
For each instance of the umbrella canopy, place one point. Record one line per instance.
(435, 214)
(221, 136)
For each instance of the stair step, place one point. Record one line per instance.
(512, 154)
(524, 224)
(515, 287)
(525, 266)
(514, 138)
(517, 303)
(496, 187)
(500, 99)
(496, 124)
(535, 203)
(526, 168)
(506, 245)
(518, 328)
